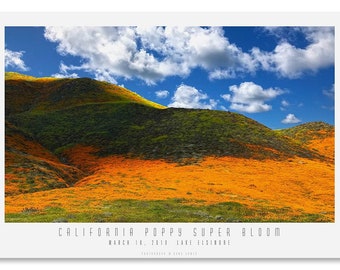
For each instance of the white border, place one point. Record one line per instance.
(42, 240)
(170, 6)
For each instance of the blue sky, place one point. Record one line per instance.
(279, 76)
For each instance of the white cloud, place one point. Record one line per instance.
(189, 97)
(151, 53)
(155, 53)
(61, 76)
(63, 72)
(329, 92)
(250, 97)
(224, 108)
(222, 74)
(162, 93)
(291, 119)
(292, 62)
(104, 75)
(283, 33)
(285, 103)
(226, 97)
(250, 108)
(13, 59)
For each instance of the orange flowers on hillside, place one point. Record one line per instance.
(302, 185)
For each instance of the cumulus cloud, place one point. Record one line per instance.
(250, 97)
(61, 75)
(162, 93)
(14, 59)
(189, 97)
(284, 105)
(63, 72)
(151, 53)
(289, 34)
(292, 62)
(329, 92)
(224, 108)
(226, 97)
(291, 119)
(222, 74)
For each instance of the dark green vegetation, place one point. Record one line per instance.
(164, 211)
(62, 113)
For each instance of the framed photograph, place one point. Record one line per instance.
(169, 135)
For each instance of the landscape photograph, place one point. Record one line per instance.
(169, 124)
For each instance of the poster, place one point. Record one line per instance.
(164, 135)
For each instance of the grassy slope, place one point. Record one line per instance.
(48, 94)
(309, 131)
(64, 112)
(173, 134)
(318, 136)
(171, 210)
(30, 167)
(23, 77)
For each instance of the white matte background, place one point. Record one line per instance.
(177, 6)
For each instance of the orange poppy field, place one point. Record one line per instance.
(118, 188)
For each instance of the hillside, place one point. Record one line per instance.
(30, 167)
(309, 131)
(18, 76)
(24, 93)
(63, 113)
(318, 136)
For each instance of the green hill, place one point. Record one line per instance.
(65, 112)
(19, 76)
(309, 131)
(49, 94)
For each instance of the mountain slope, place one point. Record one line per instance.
(24, 77)
(30, 167)
(309, 131)
(48, 94)
(60, 114)
(147, 132)
(316, 135)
